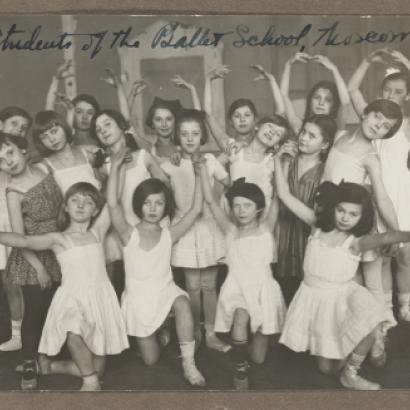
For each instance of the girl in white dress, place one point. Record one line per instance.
(84, 311)
(150, 292)
(249, 297)
(331, 315)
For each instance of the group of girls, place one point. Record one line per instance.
(307, 209)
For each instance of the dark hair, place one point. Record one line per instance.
(84, 188)
(20, 142)
(400, 75)
(148, 187)
(328, 129)
(89, 99)
(120, 121)
(279, 121)
(247, 190)
(12, 111)
(327, 85)
(174, 106)
(43, 121)
(329, 195)
(390, 110)
(187, 116)
(242, 102)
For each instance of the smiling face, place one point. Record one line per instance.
(310, 140)
(12, 159)
(16, 125)
(83, 113)
(270, 134)
(108, 131)
(376, 125)
(153, 208)
(163, 122)
(347, 216)
(81, 207)
(322, 101)
(243, 120)
(190, 136)
(54, 139)
(244, 210)
(396, 91)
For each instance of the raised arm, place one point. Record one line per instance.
(276, 93)
(272, 214)
(63, 72)
(102, 223)
(154, 168)
(178, 81)
(383, 201)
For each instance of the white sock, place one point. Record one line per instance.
(388, 300)
(16, 328)
(191, 372)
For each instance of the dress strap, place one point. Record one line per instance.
(347, 242)
(70, 240)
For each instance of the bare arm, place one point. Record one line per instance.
(102, 223)
(178, 81)
(272, 215)
(154, 168)
(32, 242)
(378, 240)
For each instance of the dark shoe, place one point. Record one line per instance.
(29, 375)
(240, 379)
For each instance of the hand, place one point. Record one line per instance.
(378, 56)
(175, 158)
(44, 279)
(198, 161)
(398, 57)
(137, 87)
(232, 148)
(219, 72)
(263, 74)
(65, 70)
(391, 250)
(178, 81)
(62, 99)
(301, 57)
(288, 150)
(121, 157)
(111, 78)
(324, 61)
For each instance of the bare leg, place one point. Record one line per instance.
(193, 287)
(329, 366)
(149, 349)
(240, 348)
(259, 347)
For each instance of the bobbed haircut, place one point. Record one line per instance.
(43, 121)
(329, 195)
(390, 110)
(277, 120)
(83, 188)
(246, 190)
(327, 85)
(242, 102)
(188, 115)
(400, 75)
(149, 187)
(12, 111)
(174, 106)
(89, 99)
(122, 123)
(7, 139)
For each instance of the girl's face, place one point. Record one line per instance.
(190, 136)
(396, 91)
(108, 131)
(163, 122)
(16, 125)
(83, 113)
(243, 120)
(376, 125)
(153, 208)
(322, 101)
(12, 159)
(347, 216)
(54, 138)
(81, 207)
(244, 210)
(310, 140)
(270, 134)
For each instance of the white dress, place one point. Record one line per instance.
(150, 289)
(250, 284)
(4, 218)
(203, 244)
(85, 304)
(330, 313)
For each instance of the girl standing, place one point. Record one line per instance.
(331, 315)
(199, 250)
(84, 311)
(249, 297)
(150, 292)
(33, 200)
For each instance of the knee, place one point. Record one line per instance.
(150, 359)
(192, 283)
(326, 368)
(208, 284)
(258, 357)
(241, 318)
(181, 303)
(72, 340)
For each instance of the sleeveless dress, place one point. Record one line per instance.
(85, 304)
(250, 285)
(203, 244)
(40, 206)
(66, 177)
(150, 290)
(330, 313)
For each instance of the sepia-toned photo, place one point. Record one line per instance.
(204, 203)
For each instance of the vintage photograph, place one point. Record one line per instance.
(204, 203)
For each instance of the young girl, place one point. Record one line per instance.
(150, 292)
(84, 311)
(325, 98)
(304, 174)
(69, 163)
(14, 121)
(331, 315)
(199, 250)
(33, 200)
(249, 297)
(393, 155)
